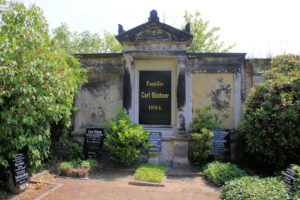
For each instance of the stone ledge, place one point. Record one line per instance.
(146, 183)
(185, 174)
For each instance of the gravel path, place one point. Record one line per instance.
(113, 185)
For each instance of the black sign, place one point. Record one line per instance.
(19, 173)
(220, 142)
(93, 141)
(289, 176)
(155, 139)
(155, 97)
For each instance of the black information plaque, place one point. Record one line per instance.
(156, 139)
(155, 97)
(221, 142)
(93, 141)
(18, 167)
(289, 177)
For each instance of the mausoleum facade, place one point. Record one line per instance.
(160, 84)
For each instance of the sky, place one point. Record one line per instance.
(260, 28)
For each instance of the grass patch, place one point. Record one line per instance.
(150, 173)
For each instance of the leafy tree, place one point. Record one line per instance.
(204, 37)
(38, 82)
(272, 115)
(86, 42)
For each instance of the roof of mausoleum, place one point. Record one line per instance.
(154, 30)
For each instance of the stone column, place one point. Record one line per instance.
(184, 113)
(181, 125)
(128, 84)
(78, 132)
(237, 99)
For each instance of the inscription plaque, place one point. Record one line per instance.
(289, 177)
(155, 138)
(93, 142)
(20, 176)
(155, 97)
(220, 142)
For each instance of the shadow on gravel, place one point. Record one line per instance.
(110, 174)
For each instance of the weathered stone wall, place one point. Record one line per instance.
(101, 95)
(253, 71)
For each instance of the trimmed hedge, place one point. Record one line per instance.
(255, 188)
(219, 173)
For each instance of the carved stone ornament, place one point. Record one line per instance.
(153, 16)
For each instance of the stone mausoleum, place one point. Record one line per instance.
(160, 84)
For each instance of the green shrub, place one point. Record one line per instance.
(89, 163)
(75, 151)
(76, 164)
(38, 82)
(255, 188)
(202, 125)
(205, 119)
(219, 173)
(202, 146)
(125, 140)
(151, 173)
(272, 115)
(64, 167)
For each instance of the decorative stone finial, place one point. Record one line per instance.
(188, 28)
(121, 30)
(153, 16)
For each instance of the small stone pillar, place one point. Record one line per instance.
(180, 155)
(153, 159)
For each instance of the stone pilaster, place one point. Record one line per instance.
(128, 83)
(181, 124)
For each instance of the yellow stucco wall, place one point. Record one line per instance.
(215, 89)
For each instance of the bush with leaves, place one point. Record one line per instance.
(64, 167)
(255, 188)
(219, 173)
(270, 127)
(38, 82)
(202, 125)
(125, 140)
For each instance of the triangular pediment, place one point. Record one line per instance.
(154, 31)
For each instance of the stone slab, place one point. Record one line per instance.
(146, 183)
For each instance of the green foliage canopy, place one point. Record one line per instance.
(86, 42)
(205, 39)
(38, 82)
(272, 115)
